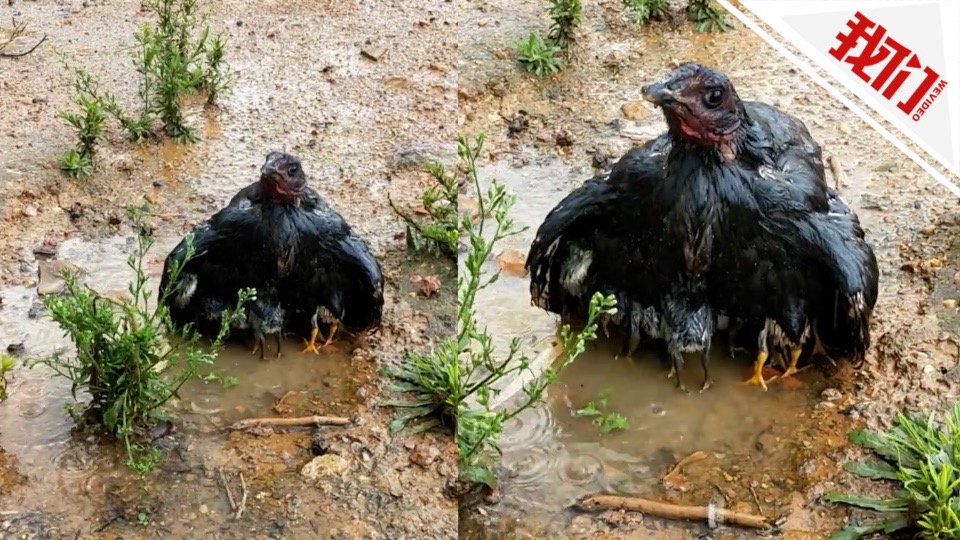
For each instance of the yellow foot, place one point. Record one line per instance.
(758, 372)
(792, 368)
(328, 342)
(311, 344)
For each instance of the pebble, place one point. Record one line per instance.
(29, 210)
(949, 303)
(204, 510)
(324, 466)
(634, 110)
(831, 394)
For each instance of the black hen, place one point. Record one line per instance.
(325, 272)
(784, 250)
(278, 235)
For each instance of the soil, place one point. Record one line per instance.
(362, 92)
(545, 136)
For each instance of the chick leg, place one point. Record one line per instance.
(279, 337)
(329, 339)
(794, 358)
(257, 346)
(677, 359)
(758, 370)
(262, 342)
(704, 359)
(311, 345)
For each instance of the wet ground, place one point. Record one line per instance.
(302, 86)
(772, 453)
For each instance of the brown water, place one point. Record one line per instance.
(38, 431)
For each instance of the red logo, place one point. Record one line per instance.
(900, 64)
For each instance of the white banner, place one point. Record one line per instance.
(900, 57)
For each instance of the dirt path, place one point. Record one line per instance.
(592, 112)
(363, 128)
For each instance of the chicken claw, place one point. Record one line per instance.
(758, 371)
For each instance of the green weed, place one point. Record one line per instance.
(453, 384)
(606, 420)
(706, 17)
(566, 16)
(124, 361)
(923, 458)
(538, 56)
(175, 56)
(6, 364)
(644, 10)
(436, 231)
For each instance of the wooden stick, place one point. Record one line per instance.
(839, 178)
(303, 421)
(226, 486)
(672, 511)
(243, 498)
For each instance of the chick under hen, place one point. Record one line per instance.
(789, 248)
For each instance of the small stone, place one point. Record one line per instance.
(29, 210)
(844, 128)
(949, 303)
(373, 53)
(831, 394)
(51, 281)
(424, 454)
(928, 369)
(928, 230)
(324, 466)
(808, 468)
(204, 510)
(634, 110)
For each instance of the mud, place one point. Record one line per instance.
(773, 452)
(302, 86)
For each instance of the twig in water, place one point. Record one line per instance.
(678, 466)
(672, 511)
(226, 486)
(303, 421)
(722, 494)
(243, 498)
(756, 500)
(839, 178)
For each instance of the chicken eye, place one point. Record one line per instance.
(713, 97)
(292, 170)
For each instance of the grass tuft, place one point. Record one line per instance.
(124, 361)
(923, 457)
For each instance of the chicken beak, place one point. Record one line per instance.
(658, 93)
(272, 164)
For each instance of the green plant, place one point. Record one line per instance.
(437, 230)
(174, 57)
(604, 419)
(538, 56)
(123, 359)
(706, 17)
(454, 383)
(644, 10)
(88, 125)
(566, 16)
(6, 364)
(923, 458)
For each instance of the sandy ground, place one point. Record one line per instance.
(363, 128)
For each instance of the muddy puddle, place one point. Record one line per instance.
(37, 430)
